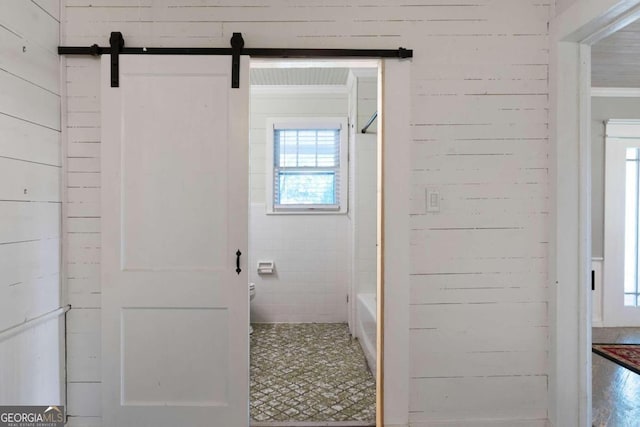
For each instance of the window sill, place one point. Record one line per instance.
(306, 212)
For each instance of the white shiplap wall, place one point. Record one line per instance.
(83, 241)
(30, 202)
(479, 321)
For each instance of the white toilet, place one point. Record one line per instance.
(252, 294)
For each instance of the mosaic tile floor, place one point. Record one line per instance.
(309, 372)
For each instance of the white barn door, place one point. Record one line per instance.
(174, 201)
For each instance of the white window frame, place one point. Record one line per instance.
(308, 123)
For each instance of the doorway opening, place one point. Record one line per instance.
(615, 138)
(314, 241)
(578, 83)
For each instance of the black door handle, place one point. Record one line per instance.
(238, 269)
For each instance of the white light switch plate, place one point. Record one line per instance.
(433, 200)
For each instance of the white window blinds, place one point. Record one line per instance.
(306, 169)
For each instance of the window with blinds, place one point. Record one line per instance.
(308, 167)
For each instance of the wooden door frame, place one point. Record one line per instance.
(572, 34)
(394, 168)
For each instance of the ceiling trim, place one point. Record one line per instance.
(616, 92)
(616, 25)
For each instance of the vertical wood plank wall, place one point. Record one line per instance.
(30, 202)
(479, 320)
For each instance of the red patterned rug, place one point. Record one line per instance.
(627, 355)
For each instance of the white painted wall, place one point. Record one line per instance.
(310, 283)
(604, 108)
(367, 100)
(352, 90)
(479, 114)
(364, 160)
(562, 5)
(363, 163)
(31, 370)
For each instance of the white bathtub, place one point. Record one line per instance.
(366, 327)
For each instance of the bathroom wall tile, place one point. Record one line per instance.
(311, 252)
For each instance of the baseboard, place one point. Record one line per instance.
(482, 423)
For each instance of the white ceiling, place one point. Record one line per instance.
(615, 60)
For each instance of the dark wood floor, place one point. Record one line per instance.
(616, 390)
